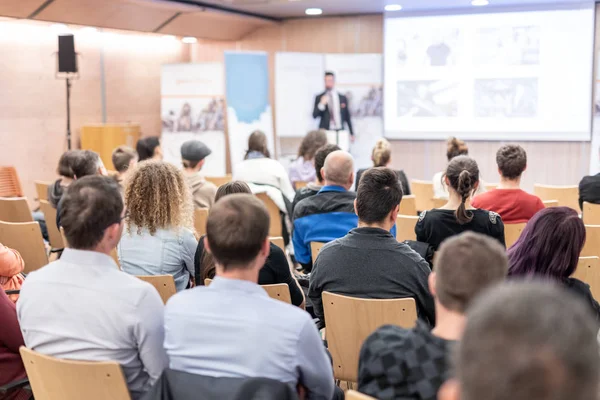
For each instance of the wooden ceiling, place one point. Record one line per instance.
(158, 16)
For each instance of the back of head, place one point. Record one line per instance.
(85, 163)
(158, 197)
(65, 163)
(466, 265)
(382, 152)
(527, 341)
(463, 176)
(146, 146)
(233, 187)
(89, 206)
(379, 192)
(236, 230)
(549, 245)
(257, 142)
(320, 157)
(511, 160)
(339, 168)
(122, 157)
(455, 148)
(312, 142)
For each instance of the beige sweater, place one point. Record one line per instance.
(203, 192)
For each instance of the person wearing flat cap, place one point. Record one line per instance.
(193, 153)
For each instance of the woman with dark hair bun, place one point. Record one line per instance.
(457, 216)
(454, 148)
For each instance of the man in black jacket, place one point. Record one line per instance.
(332, 108)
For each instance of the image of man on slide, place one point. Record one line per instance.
(333, 108)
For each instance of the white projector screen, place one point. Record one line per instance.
(523, 75)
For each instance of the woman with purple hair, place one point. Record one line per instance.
(549, 248)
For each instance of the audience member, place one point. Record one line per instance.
(397, 363)
(513, 204)
(65, 171)
(549, 248)
(159, 237)
(455, 148)
(313, 188)
(124, 159)
(276, 268)
(329, 214)
(303, 168)
(589, 190)
(525, 341)
(462, 179)
(369, 262)
(193, 155)
(82, 307)
(11, 270)
(237, 330)
(149, 148)
(382, 157)
(11, 366)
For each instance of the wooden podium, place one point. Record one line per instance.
(104, 138)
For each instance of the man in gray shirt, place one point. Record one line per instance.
(82, 307)
(232, 328)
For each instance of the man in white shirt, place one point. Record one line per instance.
(332, 108)
(82, 307)
(233, 328)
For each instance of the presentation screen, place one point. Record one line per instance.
(523, 75)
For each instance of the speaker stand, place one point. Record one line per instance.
(68, 113)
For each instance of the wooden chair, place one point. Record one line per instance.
(315, 249)
(164, 285)
(55, 379)
(301, 184)
(405, 227)
(278, 241)
(10, 185)
(491, 186)
(592, 241)
(275, 229)
(219, 180)
(26, 238)
(56, 240)
(351, 320)
(278, 291)
(567, 196)
(200, 218)
(354, 395)
(591, 213)
(423, 191)
(550, 203)
(588, 271)
(512, 232)
(15, 209)
(408, 205)
(41, 189)
(438, 202)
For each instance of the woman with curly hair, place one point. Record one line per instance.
(159, 236)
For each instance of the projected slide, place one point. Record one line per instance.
(503, 76)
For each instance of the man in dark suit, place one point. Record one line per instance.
(332, 107)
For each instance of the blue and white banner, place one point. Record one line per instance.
(248, 106)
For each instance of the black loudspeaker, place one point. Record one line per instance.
(67, 59)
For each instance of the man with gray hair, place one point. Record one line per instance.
(526, 341)
(329, 214)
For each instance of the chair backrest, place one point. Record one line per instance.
(301, 184)
(512, 232)
(491, 186)
(26, 238)
(438, 202)
(567, 196)
(550, 203)
(408, 205)
(164, 285)
(278, 241)
(15, 209)
(351, 320)
(10, 185)
(275, 229)
(56, 240)
(588, 271)
(219, 180)
(315, 248)
(591, 213)
(592, 241)
(41, 189)
(405, 227)
(278, 291)
(55, 379)
(423, 191)
(200, 218)
(354, 395)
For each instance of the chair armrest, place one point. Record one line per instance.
(14, 385)
(9, 292)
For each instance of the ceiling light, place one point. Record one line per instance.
(313, 11)
(393, 7)
(189, 39)
(171, 37)
(480, 2)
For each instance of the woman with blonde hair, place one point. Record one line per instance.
(303, 168)
(382, 157)
(159, 236)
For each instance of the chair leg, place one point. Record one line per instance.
(337, 382)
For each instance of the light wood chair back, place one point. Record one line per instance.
(55, 379)
(219, 180)
(512, 232)
(423, 191)
(56, 240)
(408, 205)
(164, 285)
(15, 209)
(550, 203)
(591, 213)
(278, 241)
(567, 196)
(301, 184)
(491, 186)
(588, 271)
(278, 291)
(26, 238)
(354, 395)
(200, 218)
(315, 249)
(275, 229)
(351, 320)
(405, 227)
(41, 189)
(592, 241)
(10, 185)
(438, 202)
